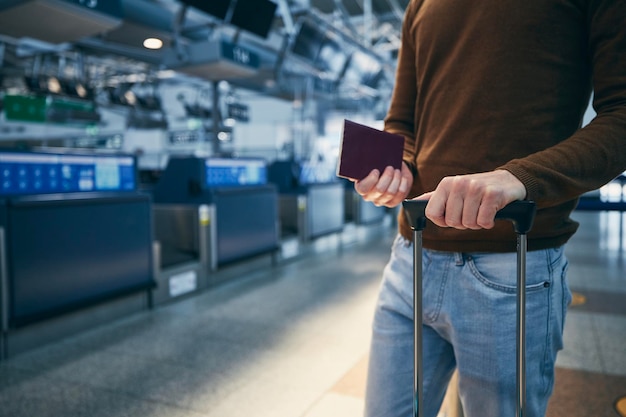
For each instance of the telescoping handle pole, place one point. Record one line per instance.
(522, 215)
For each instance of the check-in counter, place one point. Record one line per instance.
(308, 209)
(611, 197)
(314, 211)
(359, 211)
(242, 209)
(181, 249)
(75, 245)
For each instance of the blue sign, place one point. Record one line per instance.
(33, 173)
(240, 55)
(235, 172)
(110, 7)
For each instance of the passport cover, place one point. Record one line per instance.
(364, 148)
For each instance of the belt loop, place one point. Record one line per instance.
(458, 259)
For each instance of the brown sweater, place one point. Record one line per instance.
(504, 84)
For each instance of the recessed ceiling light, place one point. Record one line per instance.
(81, 90)
(153, 43)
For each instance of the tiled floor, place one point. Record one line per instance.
(292, 340)
(591, 373)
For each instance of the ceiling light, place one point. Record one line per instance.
(130, 98)
(153, 43)
(54, 86)
(81, 90)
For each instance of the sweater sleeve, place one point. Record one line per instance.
(400, 117)
(595, 154)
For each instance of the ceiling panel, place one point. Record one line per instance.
(54, 21)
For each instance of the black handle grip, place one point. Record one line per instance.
(520, 213)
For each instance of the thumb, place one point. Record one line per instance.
(425, 196)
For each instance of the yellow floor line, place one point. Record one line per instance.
(620, 406)
(353, 382)
(578, 299)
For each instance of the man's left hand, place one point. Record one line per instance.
(471, 201)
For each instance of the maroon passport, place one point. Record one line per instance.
(364, 148)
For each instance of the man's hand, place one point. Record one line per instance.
(471, 201)
(388, 189)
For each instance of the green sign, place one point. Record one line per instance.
(25, 108)
(58, 110)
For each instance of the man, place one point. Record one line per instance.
(490, 97)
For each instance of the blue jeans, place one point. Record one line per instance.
(469, 324)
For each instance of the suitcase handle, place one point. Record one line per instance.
(520, 213)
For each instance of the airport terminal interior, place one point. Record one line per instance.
(174, 238)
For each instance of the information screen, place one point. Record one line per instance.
(39, 173)
(233, 172)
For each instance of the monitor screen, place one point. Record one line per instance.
(308, 42)
(41, 173)
(331, 58)
(217, 8)
(255, 16)
(235, 172)
(363, 69)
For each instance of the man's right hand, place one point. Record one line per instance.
(388, 189)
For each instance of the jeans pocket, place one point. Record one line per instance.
(566, 293)
(499, 271)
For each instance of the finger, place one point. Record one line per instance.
(485, 218)
(425, 196)
(385, 180)
(470, 212)
(436, 208)
(377, 194)
(391, 193)
(404, 186)
(400, 195)
(489, 206)
(367, 184)
(392, 189)
(454, 211)
(394, 186)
